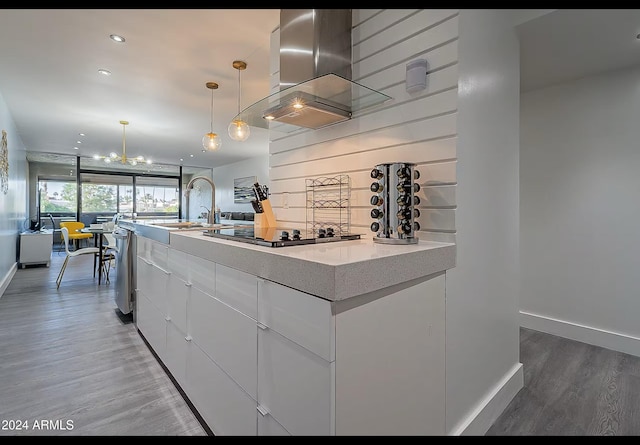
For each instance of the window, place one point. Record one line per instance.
(157, 196)
(58, 197)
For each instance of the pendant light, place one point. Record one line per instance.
(211, 141)
(123, 158)
(238, 129)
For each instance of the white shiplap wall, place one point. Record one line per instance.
(418, 127)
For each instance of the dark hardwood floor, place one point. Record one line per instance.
(572, 388)
(68, 354)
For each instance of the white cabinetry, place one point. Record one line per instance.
(35, 247)
(257, 357)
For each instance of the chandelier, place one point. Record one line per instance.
(123, 159)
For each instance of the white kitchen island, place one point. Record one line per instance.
(343, 338)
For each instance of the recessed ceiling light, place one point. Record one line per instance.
(191, 155)
(78, 142)
(116, 38)
(181, 159)
(75, 148)
(105, 72)
(80, 134)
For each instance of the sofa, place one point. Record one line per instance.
(239, 217)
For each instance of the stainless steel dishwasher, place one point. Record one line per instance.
(125, 273)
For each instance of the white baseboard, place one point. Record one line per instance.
(7, 279)
(616, 341)
(489, 409)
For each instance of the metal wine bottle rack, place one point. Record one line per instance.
(328, 204)
(395, 202)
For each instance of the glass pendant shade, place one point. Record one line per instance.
(211, 142)
(239, 130)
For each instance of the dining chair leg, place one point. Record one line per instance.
(61, 273)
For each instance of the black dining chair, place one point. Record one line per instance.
(56, 232)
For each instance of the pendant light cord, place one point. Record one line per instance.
(239, 91)
(124, 144)
(211, 128)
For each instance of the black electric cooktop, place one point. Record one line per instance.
(272, 237)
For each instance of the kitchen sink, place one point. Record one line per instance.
(179, 225)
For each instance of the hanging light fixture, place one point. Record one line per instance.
(123, 159)
(238, 129)
(211, 141)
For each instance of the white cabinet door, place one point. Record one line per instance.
(177, 264)
(177, 297)
(227, 409)
(225, 335)
(295, 386)
(390, 363)
(158, 286)
(301, 317)
(151, 323)
(268, 426)
(202, 274)
(158, 254)
(143, 274)
(237, 289)
(176, 353)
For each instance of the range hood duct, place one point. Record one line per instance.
(315, 74)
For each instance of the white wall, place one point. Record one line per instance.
(482, 330)
(580, 188)
(223, 178)
(419, 127)
(13, 205)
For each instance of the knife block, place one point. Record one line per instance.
(265, 219)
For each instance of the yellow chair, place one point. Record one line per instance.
(75, 234)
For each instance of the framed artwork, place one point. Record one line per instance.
(4, 164)
(243, 189)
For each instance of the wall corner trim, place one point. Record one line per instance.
(480, 419)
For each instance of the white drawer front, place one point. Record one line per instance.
(177, 264)
(295, 386)
(237, 289)
(143, 247)
(202, 274)
(151, 323)
(143, 271)
(299, 316)
(177, 296)
(268, 426)
(159, 282)
(226, 408)
(225, 335)
(176, 353)
(159, 254)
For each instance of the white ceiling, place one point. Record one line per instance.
(567, 44)
(49, 61)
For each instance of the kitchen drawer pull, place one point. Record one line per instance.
(188, 338)
(262, 410)
(166, 272)
(188, 284)
(263, 326)
(146, 261)
(167, 318)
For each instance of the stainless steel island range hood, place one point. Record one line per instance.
(315, 74)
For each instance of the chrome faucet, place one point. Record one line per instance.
(210, 217)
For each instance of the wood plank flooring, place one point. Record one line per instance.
(572, 388)
(69, 354)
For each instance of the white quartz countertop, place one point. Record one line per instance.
(334, 271)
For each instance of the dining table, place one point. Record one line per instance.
(97, 240)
